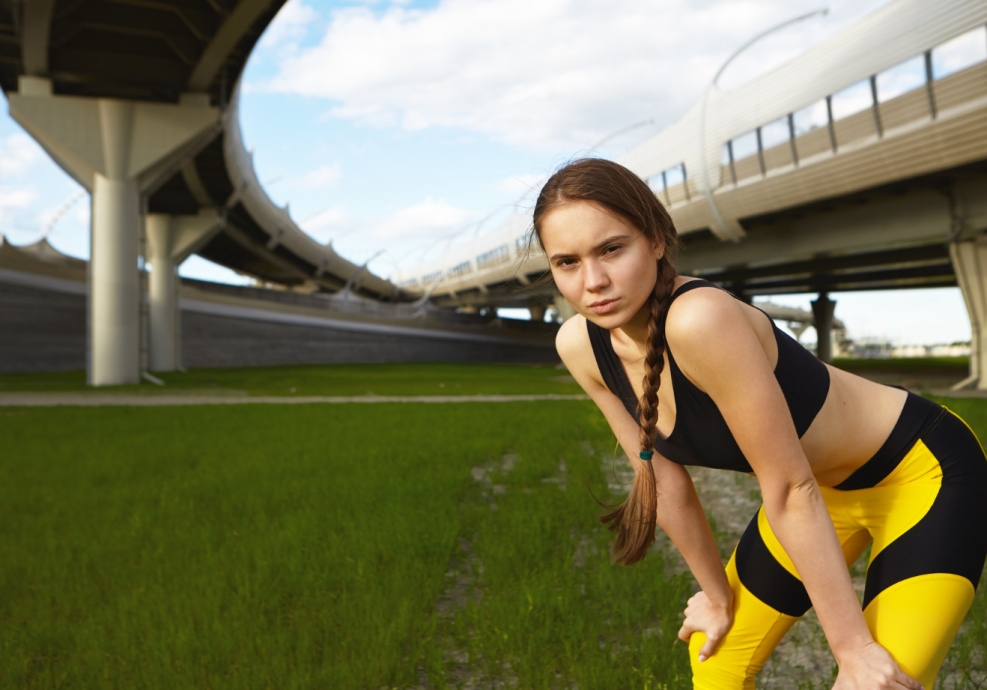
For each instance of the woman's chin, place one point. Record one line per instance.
(609, 320)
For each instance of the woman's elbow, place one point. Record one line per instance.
(791, 496)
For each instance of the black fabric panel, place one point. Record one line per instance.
(803, 378)
(952, 537)
(701, 435)
(611, 368)
(766, 578)
(918, 415)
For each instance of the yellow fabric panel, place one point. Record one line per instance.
(756, 631)
(917, 619)
(774, 546)
(848, 531)
(918, 465)
(897, 503)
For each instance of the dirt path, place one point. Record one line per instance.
(170, 399)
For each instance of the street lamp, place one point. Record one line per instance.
(617, 133)
(707, 189)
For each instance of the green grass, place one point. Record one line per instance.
(332, 379)
(310, 546)
(336, 546)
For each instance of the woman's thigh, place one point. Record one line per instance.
(768, 599)
(929, 549)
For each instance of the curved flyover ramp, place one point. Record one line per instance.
(856, 165)
(43, 321)
(138, 102)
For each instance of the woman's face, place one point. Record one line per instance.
(602, 265)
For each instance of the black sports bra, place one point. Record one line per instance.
(701, 436)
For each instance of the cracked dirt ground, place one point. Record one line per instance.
(731, 499)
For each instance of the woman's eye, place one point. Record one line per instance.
(563, 263)
(612, 248)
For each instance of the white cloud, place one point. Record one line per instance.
(324, 224)
(425, 219)
(322, 177)
(13, 200)
(290, 25)
(18, 153)
(521, 184)
(546, 74)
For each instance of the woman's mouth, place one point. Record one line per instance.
(604, 306)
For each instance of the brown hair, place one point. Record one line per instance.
(621, 192)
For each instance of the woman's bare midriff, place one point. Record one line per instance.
(852, 425)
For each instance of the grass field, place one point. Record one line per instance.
(336, 546)
(339, 379)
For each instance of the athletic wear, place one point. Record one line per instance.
(920, 499)
(701, 436)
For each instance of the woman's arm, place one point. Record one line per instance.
(680, 514)
(721, 353)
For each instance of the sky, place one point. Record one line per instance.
(394, 129)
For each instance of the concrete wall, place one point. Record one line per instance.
(42, 330)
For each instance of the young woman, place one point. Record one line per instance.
(688, 375)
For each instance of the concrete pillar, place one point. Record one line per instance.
(566, 310)
(171, 240)
(118, 150)
(537, 309)
(114, 283)
(970, 264)
(822, 310)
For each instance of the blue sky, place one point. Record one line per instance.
(406, 126)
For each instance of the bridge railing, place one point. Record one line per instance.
(941, 78)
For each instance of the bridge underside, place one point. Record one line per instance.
(895, 236)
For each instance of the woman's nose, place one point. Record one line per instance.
(596, 276)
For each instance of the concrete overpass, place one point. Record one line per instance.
(861, 164)
(138, 102)
(43, 324)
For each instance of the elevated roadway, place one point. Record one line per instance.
(43, 323)
(861, 164)
(138, 102)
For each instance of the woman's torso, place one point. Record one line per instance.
(850, 426)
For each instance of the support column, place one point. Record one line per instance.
(171, 240)
(822, 310)
(566, 310)
(970, 265)
(537, 309)
(115, 282)
(118, 150)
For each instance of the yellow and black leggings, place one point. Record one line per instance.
(922, 501)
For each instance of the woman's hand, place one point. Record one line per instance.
(872, 668)
(702, 615)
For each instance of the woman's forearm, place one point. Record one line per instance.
(803, 526)
(681, 517)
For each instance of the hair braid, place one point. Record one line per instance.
(635, 521)
(618, 190)
(654, 359)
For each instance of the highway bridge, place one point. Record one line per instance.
(138, 102)
(859, 165)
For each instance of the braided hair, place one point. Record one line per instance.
(620, 191)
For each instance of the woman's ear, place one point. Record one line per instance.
(658, 247)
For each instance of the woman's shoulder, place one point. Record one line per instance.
(701, 313)
(572, 340)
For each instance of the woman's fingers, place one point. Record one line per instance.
(712, 642)
(685, 632)
(906, 681)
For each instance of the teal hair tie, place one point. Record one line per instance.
(646, 455)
